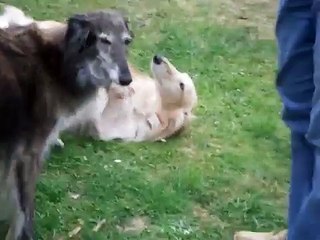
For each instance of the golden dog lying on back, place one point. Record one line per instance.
(149, 109)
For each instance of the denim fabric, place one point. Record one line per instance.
(298, 83)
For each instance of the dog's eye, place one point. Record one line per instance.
(181, 86)
(106, 41)
(127, 41)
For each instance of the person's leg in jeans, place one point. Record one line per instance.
(295, 32)
(307, 222)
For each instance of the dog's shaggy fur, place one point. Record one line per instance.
(46, 79)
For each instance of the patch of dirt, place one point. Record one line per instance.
(206, 218)
(134, 226)
(189, 150)
(257, 15)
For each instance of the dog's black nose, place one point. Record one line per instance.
(125, 80)
(157, 59)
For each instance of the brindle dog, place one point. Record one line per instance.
(45, 80)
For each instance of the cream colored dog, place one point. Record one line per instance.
(150, 109)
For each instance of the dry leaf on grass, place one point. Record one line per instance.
(74, 232)
(99, 225)
(74, 196)
(77, 229)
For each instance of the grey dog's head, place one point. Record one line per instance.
(95, 51)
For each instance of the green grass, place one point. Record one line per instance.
(228, 172)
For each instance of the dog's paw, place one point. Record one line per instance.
(154, 121)
(131, 91)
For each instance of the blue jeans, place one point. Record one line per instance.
(298, 83)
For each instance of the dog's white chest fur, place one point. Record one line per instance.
(89, 111)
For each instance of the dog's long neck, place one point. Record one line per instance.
(44, 45)
(48, 45)
(53, 32)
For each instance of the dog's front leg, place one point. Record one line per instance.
(17, 224)
(17, 216)
(27, 196)
(26, 172)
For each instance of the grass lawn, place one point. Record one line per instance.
(228, 172)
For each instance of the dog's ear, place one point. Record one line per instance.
(125, 15)
(128, 25)
(79, 32)
(76, 25)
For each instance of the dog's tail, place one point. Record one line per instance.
(13, 16)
